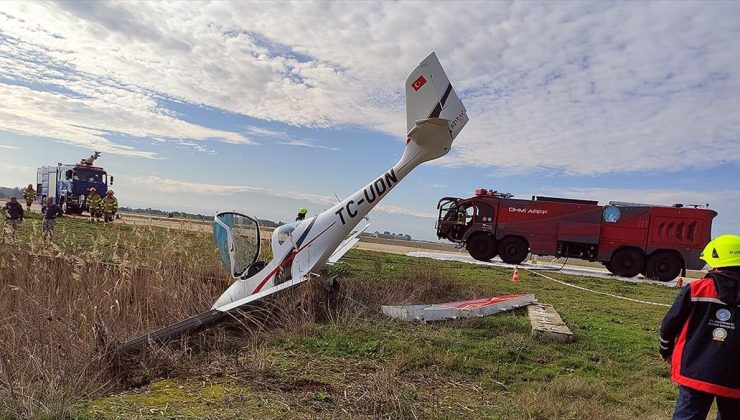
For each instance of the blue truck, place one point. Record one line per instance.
(69, 184)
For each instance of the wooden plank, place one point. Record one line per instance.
(547, 324)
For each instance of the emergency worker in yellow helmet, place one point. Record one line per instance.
(302, 212)
(700, 336)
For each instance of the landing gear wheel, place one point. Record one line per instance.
(481, 246)
(627, 262)
(513, 250)
(663, 266)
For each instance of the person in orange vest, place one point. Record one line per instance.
(700, 336)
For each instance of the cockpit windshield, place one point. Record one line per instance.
(89, 176)
(237, 239)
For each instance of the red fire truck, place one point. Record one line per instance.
(660, 242)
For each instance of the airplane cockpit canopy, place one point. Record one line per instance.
(237, 239)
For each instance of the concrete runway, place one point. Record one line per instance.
(574, 270)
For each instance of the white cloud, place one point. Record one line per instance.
(5, 146)
(264, 132)
(305, 143)
(285, 138)
(582, 87)
(12, 175)
(169, 185)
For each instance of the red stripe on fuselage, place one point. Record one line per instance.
(289, 259)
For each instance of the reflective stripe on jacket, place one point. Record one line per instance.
(110, 205)
(701, 332)
(94, 202)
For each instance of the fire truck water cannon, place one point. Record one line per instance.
(657, 241)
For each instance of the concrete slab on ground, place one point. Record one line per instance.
(456, 310)
(547, 324)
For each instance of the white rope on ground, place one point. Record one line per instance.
(595, 291)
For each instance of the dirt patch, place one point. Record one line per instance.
(306, 385)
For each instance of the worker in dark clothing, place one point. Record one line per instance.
(700, 336)
(13, 217)
(51, 211)
(460, 222)
(301, 214)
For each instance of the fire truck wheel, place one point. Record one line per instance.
(481, 246)
(513, 250)
(663, 266)
(627, 262)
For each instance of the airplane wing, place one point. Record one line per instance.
(345, 246)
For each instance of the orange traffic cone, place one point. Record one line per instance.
(515, 277)
(679, 282)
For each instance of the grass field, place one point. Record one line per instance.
(314, 355)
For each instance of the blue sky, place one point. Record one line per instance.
(267, 107)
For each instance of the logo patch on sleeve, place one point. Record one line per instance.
(723, 315)
(719, 334)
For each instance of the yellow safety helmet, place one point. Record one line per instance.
(302, 210)
(723, 251)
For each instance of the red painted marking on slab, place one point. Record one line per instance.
(478, 303)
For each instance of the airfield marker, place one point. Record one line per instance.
(515, 277)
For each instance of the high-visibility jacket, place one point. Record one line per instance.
(700, 331)
(461, 216)
(29, 194)
(94, 202)
(110, 205)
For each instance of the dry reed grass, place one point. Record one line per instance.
(63, 315)
(60, 313)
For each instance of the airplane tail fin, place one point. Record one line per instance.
(430, 95)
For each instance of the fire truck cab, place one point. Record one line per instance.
(628, 238)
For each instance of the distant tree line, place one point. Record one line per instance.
(388, 235)
(184, 215)
(6, 192)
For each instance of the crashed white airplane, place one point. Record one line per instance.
(434, 117)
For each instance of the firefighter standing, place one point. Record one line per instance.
(110, 206)
(13, 217)
(94, 204)
(302, 212)
(29, 194)
(700, 336)
(460, 218)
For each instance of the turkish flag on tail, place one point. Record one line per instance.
(418, 83)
